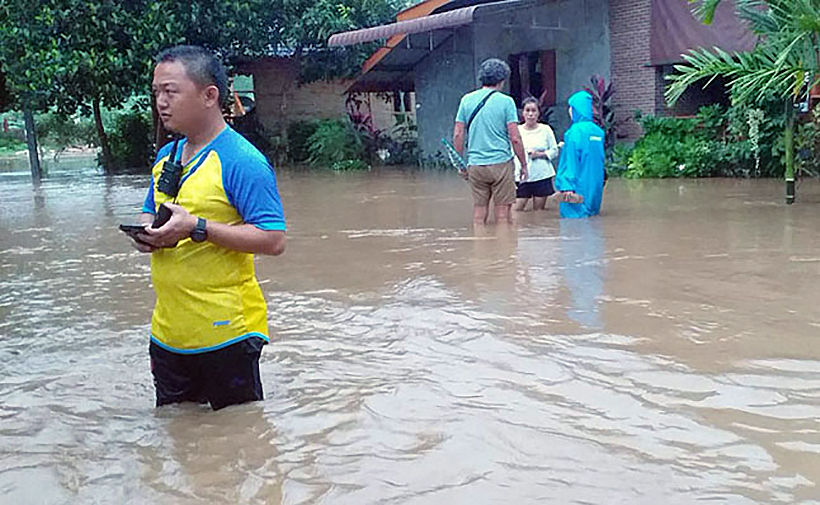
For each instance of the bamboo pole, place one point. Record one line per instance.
(788, 143)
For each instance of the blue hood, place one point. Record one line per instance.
(581, 105)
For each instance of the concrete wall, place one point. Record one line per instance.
(280, 100)
(578, 31)
(440, 81)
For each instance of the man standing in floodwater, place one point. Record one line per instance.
(210, 319)
(489, 120)
(581, 165)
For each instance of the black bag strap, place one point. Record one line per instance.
(480, 105)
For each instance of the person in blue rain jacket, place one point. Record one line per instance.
(581, 166)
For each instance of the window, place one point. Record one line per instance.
(402, 106)
(402, 102)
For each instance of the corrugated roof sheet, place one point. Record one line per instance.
(449, 19)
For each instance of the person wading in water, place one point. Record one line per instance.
(220, 196)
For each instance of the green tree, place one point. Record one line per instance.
(87, 54)
(29, 59)
(785, 63)
(308, 24)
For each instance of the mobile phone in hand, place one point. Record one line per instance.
(132, 230)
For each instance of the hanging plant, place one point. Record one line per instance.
(754, 117)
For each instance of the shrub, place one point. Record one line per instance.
(335, 144)
(402, 145)
(10, 143)
(299, 132)
(807, 143)
(60, 132)
(131, 139)
(619, 162)
(714, 143)
(346, 165)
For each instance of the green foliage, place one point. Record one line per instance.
(714, 143)
(618, 163)
(785, 56)
(10, 143)
(705, 9)
(784, 64)
(131, 140)
(299, 133)
(807, 143)
(348, 165)
(402, 145)
(307, 25)
(59, 131)
(81, 55)
(336, 144)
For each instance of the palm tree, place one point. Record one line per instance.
(784, 65)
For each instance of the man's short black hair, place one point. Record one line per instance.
(201, 66)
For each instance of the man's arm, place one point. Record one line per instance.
(458, 138)
(241, 237)
(518, 148)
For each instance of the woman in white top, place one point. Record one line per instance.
(542, 150)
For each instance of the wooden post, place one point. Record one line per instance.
(31, 140)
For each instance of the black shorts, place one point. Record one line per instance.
(227, 376)
(541, 189)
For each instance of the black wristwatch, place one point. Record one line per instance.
(199, 234)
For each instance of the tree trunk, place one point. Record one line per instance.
(102, 137)
(788, 143)
(31, 140)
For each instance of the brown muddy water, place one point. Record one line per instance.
(664, 353)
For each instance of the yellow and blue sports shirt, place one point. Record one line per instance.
(208, 296)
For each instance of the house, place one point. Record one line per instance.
(280, 99)
(553, 47)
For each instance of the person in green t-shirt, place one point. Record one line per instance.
(489, 120)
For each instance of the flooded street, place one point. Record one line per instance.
(666, 352)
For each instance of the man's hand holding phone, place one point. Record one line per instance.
(136, 232)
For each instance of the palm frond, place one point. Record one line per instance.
(751, 77)
(705, 9)
(758, 14)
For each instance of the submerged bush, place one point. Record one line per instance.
(335, 144)
(131, 140)
(714, 143)
(299, 133)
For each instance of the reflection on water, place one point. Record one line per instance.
(664, 352)
(582, 256)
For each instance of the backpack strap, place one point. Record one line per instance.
(480, 105)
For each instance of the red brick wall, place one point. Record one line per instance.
(636, 85)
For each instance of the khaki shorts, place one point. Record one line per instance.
(492, 181)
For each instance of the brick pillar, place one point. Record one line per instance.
(635, 84)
